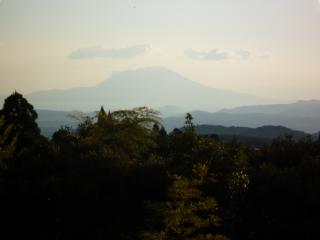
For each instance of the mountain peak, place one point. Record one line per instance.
(147, 74)
(146, 70)
(152, 86)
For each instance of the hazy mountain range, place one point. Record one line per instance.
(155, 87)
(173, 95)
(267, 132)
(301, 116)
(50, 121)
(309, 108)
(251, 136)
(310, 122)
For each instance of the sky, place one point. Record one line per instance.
(268, 48)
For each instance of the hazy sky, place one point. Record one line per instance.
(270, 48)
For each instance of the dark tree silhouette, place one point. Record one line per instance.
(19, 113)
(119, 175)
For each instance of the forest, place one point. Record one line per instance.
(120, 175)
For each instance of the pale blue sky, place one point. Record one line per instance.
(269, 48)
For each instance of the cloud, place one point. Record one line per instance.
(217, 55)
(264, 56)
(115, 53)
(212, 55)
(243, 54)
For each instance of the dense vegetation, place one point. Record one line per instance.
(120, 175)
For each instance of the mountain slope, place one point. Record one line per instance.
(154, 87)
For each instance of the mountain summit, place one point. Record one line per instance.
(155, 87)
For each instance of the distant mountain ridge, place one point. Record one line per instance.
(254, 137)
(50, 121)
(174, 95)
(304, 108)
(155, 87)
(301, 115)
(264, 132)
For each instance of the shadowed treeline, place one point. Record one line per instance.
(120, 175)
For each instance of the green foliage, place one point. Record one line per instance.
(122, 135)
(143, 116)
(188, 213)
(240, 179)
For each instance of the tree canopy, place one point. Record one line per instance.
(121, 175)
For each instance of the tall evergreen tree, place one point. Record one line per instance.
(20, 114)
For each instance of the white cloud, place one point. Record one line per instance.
(115, 53)
(212, 55)
(243, 54)
(264, 56)
(217, 54)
